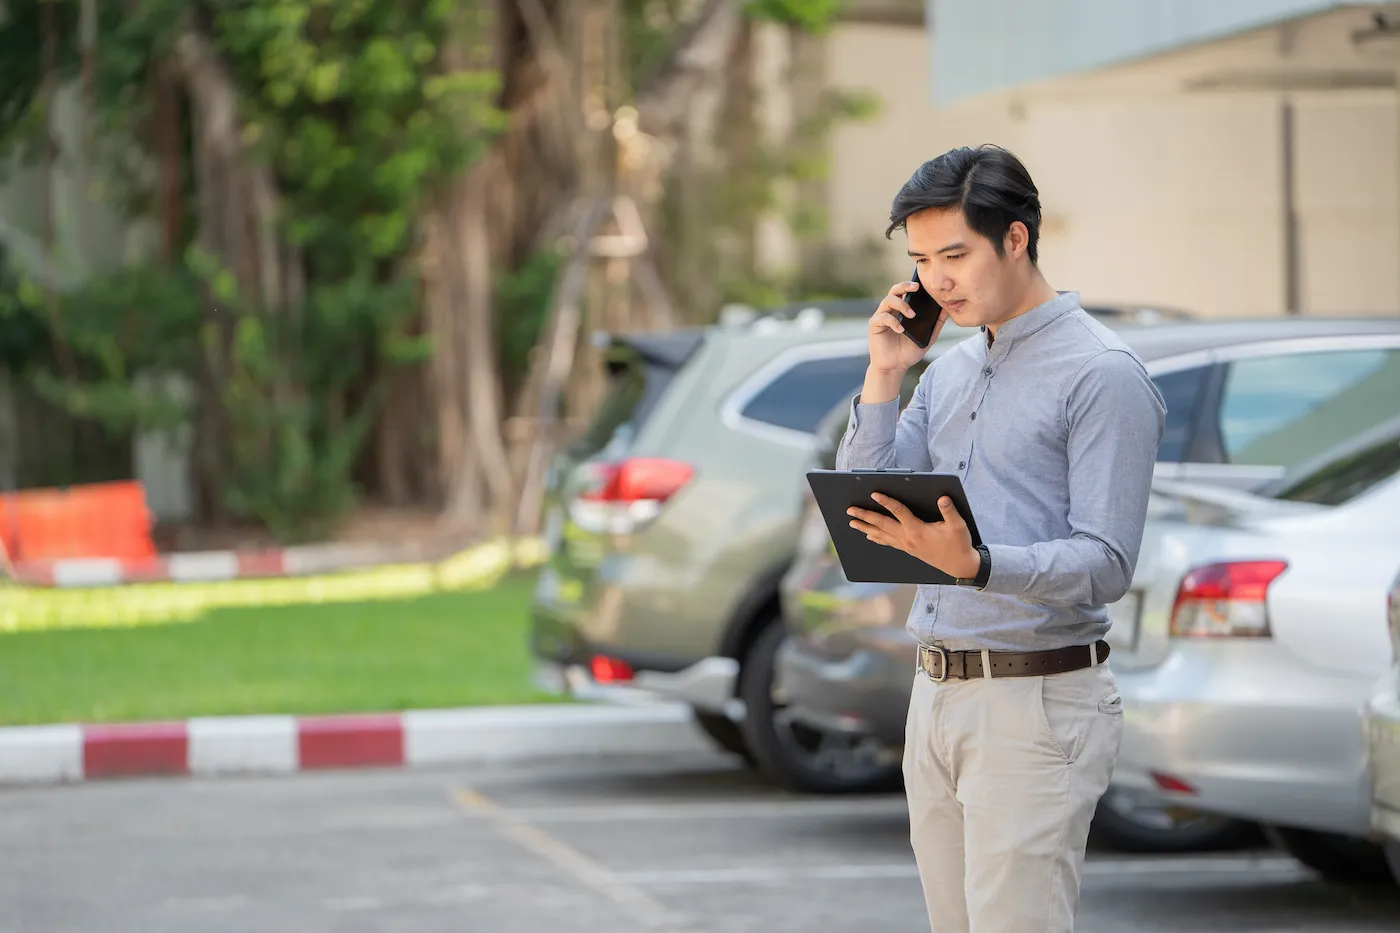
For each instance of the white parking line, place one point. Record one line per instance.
(1105, 867)
(710, 810)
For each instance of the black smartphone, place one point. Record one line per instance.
(926, 308)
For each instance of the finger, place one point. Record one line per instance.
(903, 288)
(870, 528)
(869, 520)
(876, 537)
(885, 320)
(950, 511)
(869, 515)
(897, 306)
(898, 509)
(865, 528)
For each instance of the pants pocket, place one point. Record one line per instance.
(1112, 704)
(1068, 705)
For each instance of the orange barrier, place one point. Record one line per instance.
(92, 520)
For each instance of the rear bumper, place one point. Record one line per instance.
(707, 685)
(1383, 754)
(864, 692)
(564, 658)
(1254, 733)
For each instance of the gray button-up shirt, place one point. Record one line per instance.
(1054, 431)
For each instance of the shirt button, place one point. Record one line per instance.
(962, 464)
(928, 607)
(974, 416)
(987, 371)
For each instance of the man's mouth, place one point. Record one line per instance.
(954, 306)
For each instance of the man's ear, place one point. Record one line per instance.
(1017, 239)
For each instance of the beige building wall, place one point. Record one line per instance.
(1166, 199)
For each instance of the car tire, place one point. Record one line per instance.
(795, 757)
(724, 733)
(1155, 830)
(1339, 859)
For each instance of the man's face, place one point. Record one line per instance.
(960, 268)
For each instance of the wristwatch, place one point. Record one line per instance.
(984, 570)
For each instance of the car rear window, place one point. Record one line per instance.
(1347, 477)
(634, 387)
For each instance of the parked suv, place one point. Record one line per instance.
(673, 518)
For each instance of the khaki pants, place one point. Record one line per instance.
(1002, 777)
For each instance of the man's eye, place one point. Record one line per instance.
(956, 256)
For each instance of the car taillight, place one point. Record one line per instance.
(619, 497)
(1225, 600)
(608, 670)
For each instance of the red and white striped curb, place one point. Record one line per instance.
(209, 566)
(285, 744)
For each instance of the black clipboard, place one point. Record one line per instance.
(863, 560)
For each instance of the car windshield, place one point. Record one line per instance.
(1347, 476)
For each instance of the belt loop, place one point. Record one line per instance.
(1094, 655)
(986, 664)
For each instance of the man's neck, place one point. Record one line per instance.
(1035, 294)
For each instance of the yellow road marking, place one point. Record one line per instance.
(588, 872)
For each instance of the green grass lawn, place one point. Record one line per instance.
(453, 649)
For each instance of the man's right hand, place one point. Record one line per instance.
(892, 353)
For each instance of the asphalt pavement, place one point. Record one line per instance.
(686, 844)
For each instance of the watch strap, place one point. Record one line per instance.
(984, 570)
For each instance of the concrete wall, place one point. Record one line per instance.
(1166, 198)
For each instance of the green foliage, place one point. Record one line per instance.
(815, 16)
(650, 27)
(294, 438)
(350, 106)
(522, 304)
(349, 103)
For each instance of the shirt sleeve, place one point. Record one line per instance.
(880, 436)
(1114, 417)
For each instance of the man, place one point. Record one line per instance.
(1053, 425)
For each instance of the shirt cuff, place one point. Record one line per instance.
(880, 419)
(1013, 568)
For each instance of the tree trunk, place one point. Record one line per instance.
(49, 90)
(238, 211)
(700, 55)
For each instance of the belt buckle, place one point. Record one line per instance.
(943, 658)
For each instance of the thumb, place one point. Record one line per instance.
(949, 510)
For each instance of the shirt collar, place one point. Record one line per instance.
(1023, 325)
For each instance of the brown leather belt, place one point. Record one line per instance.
(940, 664)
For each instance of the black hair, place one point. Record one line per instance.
(989, 185)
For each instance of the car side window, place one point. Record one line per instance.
(833, 426)
(1280, 410)
(1182, 392)
(800, 397)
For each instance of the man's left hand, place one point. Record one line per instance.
(945, 545)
